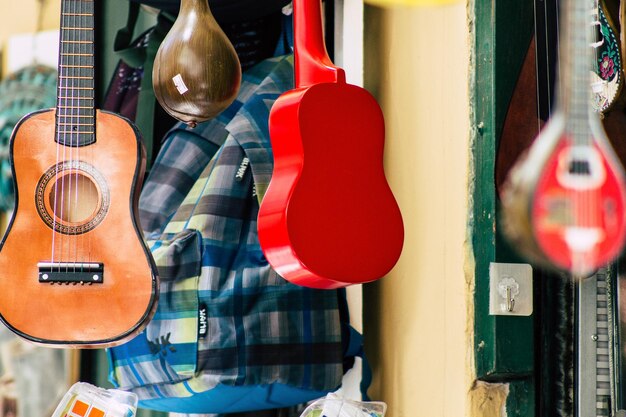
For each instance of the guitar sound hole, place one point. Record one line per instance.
(74, 198)
(579, 167)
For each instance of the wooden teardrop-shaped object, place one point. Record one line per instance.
(196, 72)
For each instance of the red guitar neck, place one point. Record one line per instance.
(312, 63)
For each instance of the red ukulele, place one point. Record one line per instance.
(74, 270)
(564, 201)
(328, 218)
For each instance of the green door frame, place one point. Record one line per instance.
(503, 345)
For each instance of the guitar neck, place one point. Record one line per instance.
(575, 67)
(75, 122)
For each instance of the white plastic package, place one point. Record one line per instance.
(334, 406)
(86, 400)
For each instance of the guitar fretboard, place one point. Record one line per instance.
(75, 122)
(575, 67)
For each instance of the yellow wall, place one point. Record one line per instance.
(417, 320)
(20, 16)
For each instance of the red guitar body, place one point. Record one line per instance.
(578, 217)
(564, 202)
(329, 218)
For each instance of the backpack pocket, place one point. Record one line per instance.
(167, 350)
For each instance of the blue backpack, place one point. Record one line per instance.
(229, 334)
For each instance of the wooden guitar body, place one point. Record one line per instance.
(74, 270)
(329, 218)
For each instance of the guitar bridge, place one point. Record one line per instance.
(71, 272)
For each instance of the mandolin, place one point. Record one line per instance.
(564, 200)
(328, 218)
(196, 72)
(606, 72)
(74, 270)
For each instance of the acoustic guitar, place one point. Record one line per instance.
(74, 270)
(564, 200)
(328, 218)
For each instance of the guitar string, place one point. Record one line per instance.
(82, 102)
(78, 123)
(575, 86)
(66, 109)
(591, 37)
(90, 122)
(93, 115)
(69, 128)
(79, 180)
(57, 132)
(590, 198)
(75, 131)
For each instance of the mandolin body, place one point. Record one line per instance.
(76, 209)
(196, 72)
(564, 203)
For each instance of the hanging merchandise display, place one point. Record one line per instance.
(327, 140)
(196, 72)
(229, 334)
(564, 201)
(73, 250)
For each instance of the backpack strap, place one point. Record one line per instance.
(355, 349)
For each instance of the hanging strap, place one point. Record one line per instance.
(137, 55)
(124, 37)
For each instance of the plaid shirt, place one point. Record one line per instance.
(224, 316)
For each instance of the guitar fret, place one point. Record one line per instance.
(76, 14)
(65, 132)
(75, 98)
(74, 54)
(75, 107)
(75, 77)
(76, 66)
(75, 124)
(74, 28)
(81, 42)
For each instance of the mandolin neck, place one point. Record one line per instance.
(575, 67)
(75, 121)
